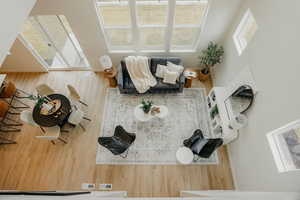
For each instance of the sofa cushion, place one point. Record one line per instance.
(162, 61)
(162, 85)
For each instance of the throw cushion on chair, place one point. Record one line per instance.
(198, 146)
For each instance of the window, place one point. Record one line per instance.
(152, 25)
(245, 32)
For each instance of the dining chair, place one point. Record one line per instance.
(5, 113)
(44, 90)
(10, 91)
(26, 117)
(52, 133)
(76, 117)
(75, 95)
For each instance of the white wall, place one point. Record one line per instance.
(83, 19)
(273, 56)
(12, 15)
(21, 60)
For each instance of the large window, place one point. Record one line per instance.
(245, 32)
(152, 25)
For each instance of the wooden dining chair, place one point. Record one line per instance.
(7, 124)
(52, 133)
(76, 117)
(44, 90)
(75, 95)
(9, 91)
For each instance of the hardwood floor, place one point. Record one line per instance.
(33, 164)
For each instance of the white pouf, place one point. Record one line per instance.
(184, 155)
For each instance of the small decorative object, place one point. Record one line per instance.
(210, 57)
(238, 122)
(214, 111)
(39, 100)
(146, 106)
(155, 110)
(190, 74)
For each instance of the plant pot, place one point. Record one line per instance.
(203, 76)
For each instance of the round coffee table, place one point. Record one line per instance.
(184, 155)
(140, 115)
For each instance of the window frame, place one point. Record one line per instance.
(239, 41)
(169, 26)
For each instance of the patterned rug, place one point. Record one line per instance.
(157, 140)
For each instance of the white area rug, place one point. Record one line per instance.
(157, 140)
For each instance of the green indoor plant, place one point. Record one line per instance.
(146, 106)
(38, 99)
(209, 57)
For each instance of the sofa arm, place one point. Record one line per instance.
(120, 77)
(182, 79)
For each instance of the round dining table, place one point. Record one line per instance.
(58, 117)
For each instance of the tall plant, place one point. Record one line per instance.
(210, 56)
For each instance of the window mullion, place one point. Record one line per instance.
(134, 25)
(170, 24)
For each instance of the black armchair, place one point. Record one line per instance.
(119, 142)
(201, 146)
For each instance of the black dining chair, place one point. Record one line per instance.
(201, 146)
(119, 143)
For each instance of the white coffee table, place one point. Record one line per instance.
(184, 155)
(141, 116)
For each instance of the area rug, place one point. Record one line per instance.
(157, 140)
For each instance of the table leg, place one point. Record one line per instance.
(188, 83)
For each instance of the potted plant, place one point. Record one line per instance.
(146, 106)
(209, 57)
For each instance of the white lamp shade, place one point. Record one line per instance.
(105, 62)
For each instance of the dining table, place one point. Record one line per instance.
(56, 116)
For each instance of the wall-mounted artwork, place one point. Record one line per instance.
(285, 146)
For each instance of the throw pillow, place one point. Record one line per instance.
(160, 71)
(170, 77)
(175, 68)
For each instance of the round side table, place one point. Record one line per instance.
(190, 75)
(184, 155)
(111, 74)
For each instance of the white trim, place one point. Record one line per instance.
(135, 30)
(170, 24)
(112, 3)
(239, 40)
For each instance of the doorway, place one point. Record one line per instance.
(53, 41)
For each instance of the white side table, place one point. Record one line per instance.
(184, 155)
(141, 116)
(164, 111)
